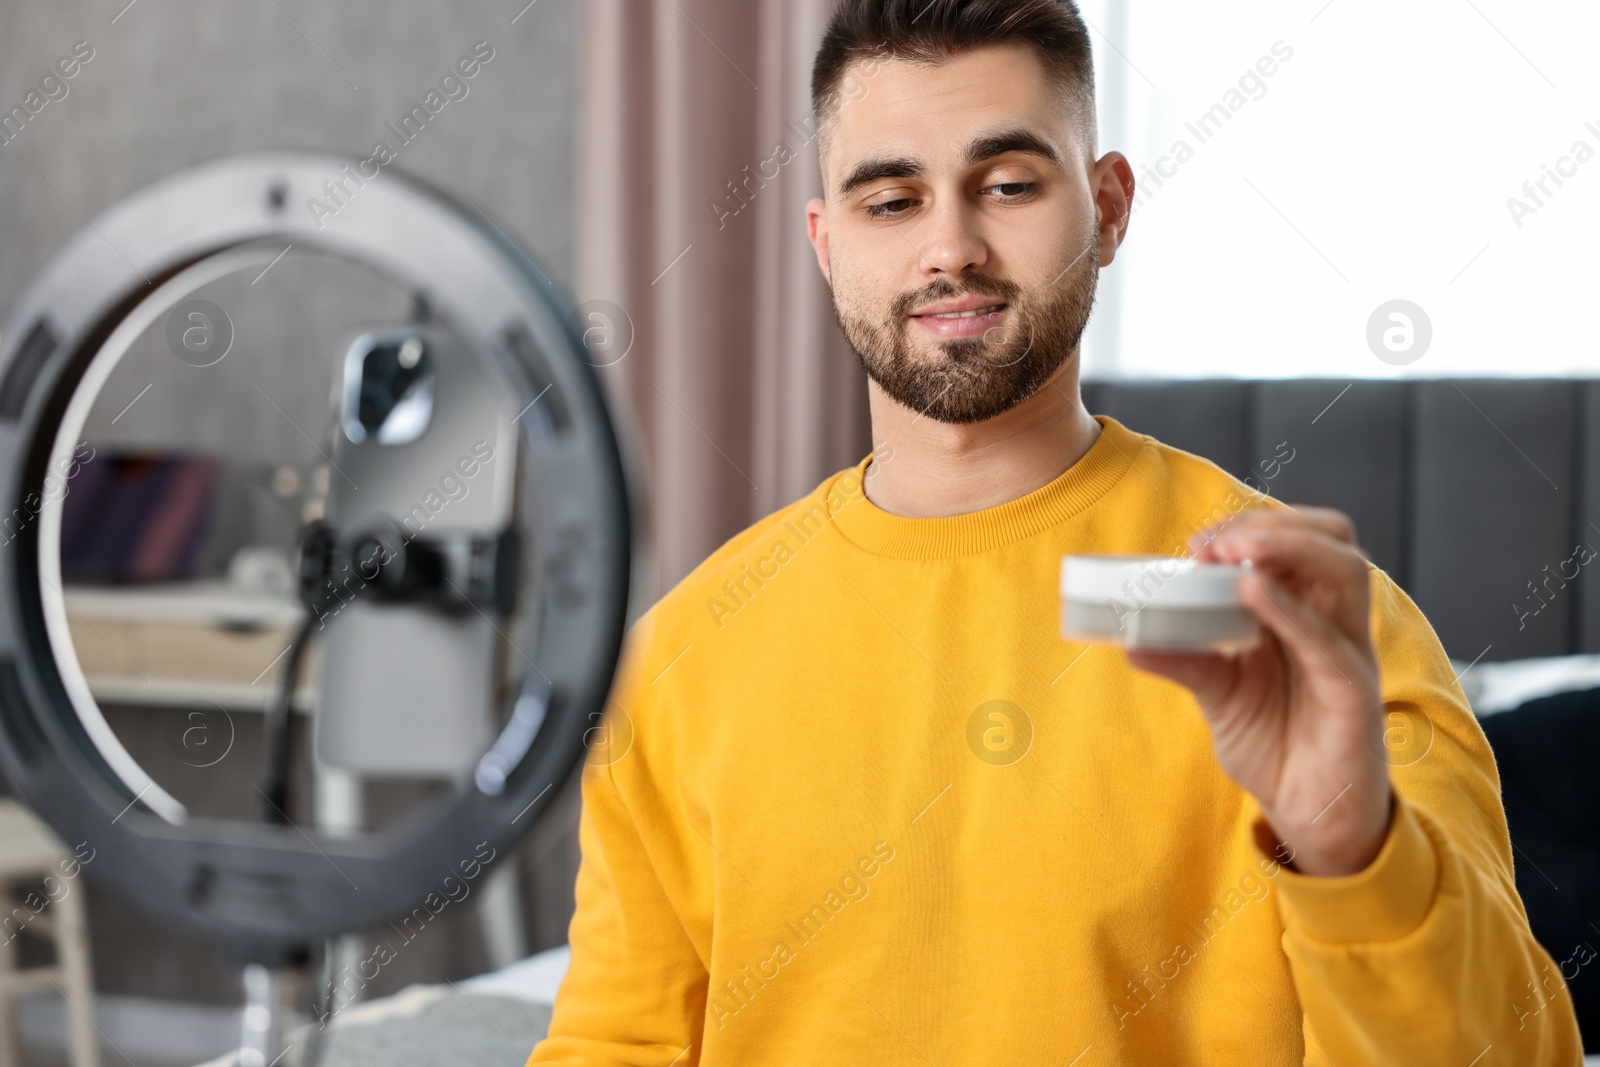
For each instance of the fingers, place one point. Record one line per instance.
(1330, 574)
(1304, 555)
(1330, 522)
(1316, 643)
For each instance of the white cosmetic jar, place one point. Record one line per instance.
(1155, 602)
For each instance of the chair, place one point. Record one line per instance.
(29, 853)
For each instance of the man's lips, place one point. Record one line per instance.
(968, 316)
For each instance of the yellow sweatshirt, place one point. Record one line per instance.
(857, 801)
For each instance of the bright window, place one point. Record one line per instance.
(1304, 164)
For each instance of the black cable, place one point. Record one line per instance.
(275, 765)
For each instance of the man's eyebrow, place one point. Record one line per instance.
(871, 170)
(1016, 139)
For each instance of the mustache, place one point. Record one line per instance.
(979, 284)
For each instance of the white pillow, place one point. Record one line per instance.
(1495, 687)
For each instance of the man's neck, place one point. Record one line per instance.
(927, 469)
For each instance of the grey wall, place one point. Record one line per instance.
(172, 83)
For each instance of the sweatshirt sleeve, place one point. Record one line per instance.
(1426, 955)
(635, 991)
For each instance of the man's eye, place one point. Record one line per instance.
(888, 209)
(1013, 190)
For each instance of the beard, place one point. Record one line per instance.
(972, 379)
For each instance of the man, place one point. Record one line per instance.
(859, 802)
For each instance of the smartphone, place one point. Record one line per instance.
(424, 453)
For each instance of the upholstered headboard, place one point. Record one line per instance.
(1479, 496)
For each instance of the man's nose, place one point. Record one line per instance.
(952, 241)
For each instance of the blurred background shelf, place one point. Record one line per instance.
(177, 643)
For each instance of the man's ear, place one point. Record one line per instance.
(817, 230)
(1111, 182)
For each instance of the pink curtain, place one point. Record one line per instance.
(698, 154)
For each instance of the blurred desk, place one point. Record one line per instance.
(173, 643)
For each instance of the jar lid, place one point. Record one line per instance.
(1151, 581)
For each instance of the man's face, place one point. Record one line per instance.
(960, 235)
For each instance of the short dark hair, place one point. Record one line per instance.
(931, 31)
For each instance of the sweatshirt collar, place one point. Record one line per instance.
(868, 526)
